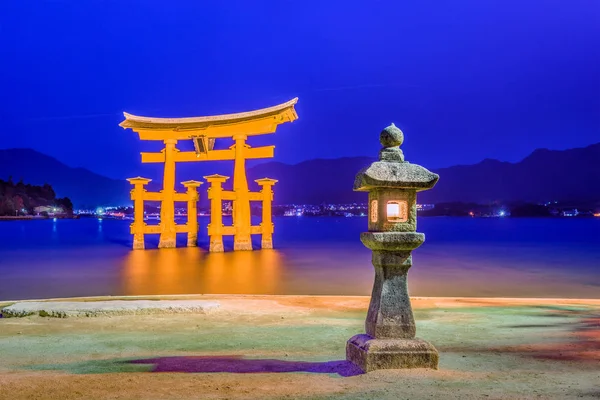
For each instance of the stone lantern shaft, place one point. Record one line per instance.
(390, 313)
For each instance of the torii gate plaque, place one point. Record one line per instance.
(203, 131)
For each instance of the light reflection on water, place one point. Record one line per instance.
(461, 257)
(193, 270)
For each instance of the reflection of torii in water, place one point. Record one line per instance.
(203, 131)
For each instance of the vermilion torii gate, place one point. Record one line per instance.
(203, 131)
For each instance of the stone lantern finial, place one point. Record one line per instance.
(391, 139)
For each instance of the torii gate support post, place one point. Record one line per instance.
(192, 212)
(266, 225)
(168, 233)
(241, 204)
(215, 228)
(137, 195)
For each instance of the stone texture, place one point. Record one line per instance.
(391, 136)
(400, 175)
(391, 241)
(138, 241)
(390, 327)
(391, 155)
(216, 246)
(385, 195)
(169, 243)
(242, 246)
(371, 354)
(192, 240)
(391, 171)
(390, 313)
(64, 309)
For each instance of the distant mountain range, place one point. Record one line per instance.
(566, 175)
(545, 175)
(83, 187)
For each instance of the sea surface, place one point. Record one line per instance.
(491, 257)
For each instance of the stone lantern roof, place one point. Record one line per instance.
(391, 171)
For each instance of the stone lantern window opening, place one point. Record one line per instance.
(397, 211)
(374, 211)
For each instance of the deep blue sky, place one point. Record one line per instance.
(464, 79)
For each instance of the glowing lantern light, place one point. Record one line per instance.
(393, 211)
(397, 211)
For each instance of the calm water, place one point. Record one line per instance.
(461, 257)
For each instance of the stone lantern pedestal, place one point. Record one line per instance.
(392, 183)
(389, 342)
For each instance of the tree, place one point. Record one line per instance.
(66, 204)
(7, 207)
(18, 203)
(48, 192)
(23, 196)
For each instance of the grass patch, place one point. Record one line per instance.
(95, 367)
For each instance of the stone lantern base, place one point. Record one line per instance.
(371, 354)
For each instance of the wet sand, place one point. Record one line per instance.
(273, 347)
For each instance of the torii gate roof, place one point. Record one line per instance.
(255, 122)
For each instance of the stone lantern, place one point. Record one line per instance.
(392, 183)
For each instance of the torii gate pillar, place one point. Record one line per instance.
(192, 212)
(168, 234)
(241, 205)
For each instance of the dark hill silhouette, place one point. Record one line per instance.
(565, 175)
(314, 181)
(83, 187)
(570, 175)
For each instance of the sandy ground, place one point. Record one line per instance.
(292, 347)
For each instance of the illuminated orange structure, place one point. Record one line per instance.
(172, 272)
(169, 229)
(203, 131)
